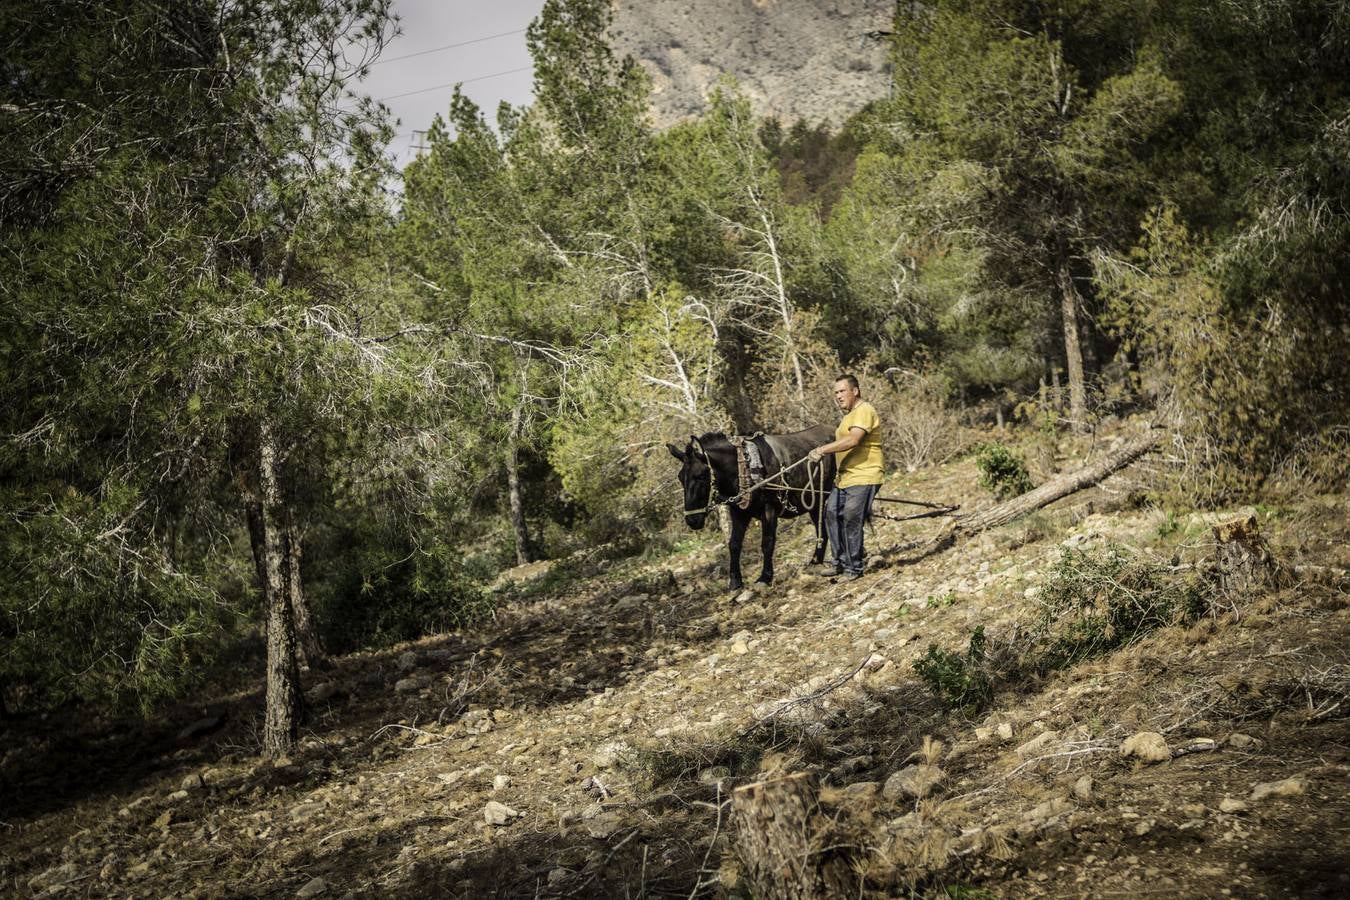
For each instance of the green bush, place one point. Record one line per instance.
(90, 612)
(960, 682)
(1096, 602)
(382, 591)
(1002, 471)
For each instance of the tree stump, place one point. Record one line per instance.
(783, 841)
(1243, 560)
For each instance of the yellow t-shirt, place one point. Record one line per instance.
(862, 464)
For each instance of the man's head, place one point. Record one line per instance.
(846, 392)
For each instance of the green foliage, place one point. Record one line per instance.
(1094, 602)
(964, 682)
(1169, 526)
(814, 164)
(379, 592)
(185, 225)
(939, 601)
(85, 615)
(1002, 471)
(1246, 387)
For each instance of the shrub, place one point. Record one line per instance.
(1240, 342)
(963, 682)
(1094, 603)
(385, 591)
(1002, 471)
(89, 611)
(922, 429)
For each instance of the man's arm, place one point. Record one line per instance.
(845, 443)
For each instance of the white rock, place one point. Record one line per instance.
(498, 813)
(1230, 805)
(912, 782)
(313, 888)
(1289, 787)
(608, 754)
(1242, 742)
(61, 874)
(1050, 809)
(1082, 788)
(603, 824)
(1004, 731)
(1038, 744)
(501, 782)
(1150, 746)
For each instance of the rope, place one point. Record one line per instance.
(936, 509)
(809, 491)
(713, 501)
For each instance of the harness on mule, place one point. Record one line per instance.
(749, 466)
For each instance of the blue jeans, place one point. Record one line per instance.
(845, 512)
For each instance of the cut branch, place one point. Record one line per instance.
(1052, 490)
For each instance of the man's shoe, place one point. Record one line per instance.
(850, 576)
(825, 571)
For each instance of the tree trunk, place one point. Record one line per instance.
(1073, 348)
(784, 304)
(1052, 490)
(310, 645)
(254, 515)
(1244, 563)
(518, 526)
(740, 404)
(783, 841)
(282, 716)
(1060, 487)
(311, 648)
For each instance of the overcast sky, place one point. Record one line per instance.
(495, 67)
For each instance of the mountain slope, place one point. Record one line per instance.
(794, 59)
(584, 745)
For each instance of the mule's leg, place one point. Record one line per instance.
(769, 524)
(739, 521)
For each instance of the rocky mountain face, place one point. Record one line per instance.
(794, 59)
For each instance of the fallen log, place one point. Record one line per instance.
(1037, 498)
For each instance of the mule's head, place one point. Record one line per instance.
(697, 478)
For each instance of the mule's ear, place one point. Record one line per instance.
(675, 452)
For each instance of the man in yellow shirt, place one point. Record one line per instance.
(858, 460)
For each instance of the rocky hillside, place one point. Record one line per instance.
(795, 59)
(585, 744)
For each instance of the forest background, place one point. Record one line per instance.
(250, 390)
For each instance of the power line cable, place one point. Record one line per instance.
(450, 84)
(490, 37)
